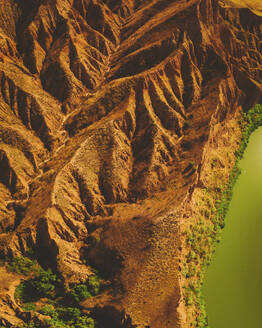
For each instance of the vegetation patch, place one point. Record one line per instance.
(44, 293)
(66, 317)
(91, 288)
(29, 307)
(42, 285)
(22, 265)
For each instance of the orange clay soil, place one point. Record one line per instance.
(109, 113)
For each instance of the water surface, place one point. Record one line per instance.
(233, 283)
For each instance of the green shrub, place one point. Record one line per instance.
(80, 292)
(68, 314)
(29, 306)
(55, 323)
(49, 310)
(84, 322)
(34, 288)
(83, 291)
(52, 312)
(80, 322)
(67, 317)
(189, 300)
(94, 284)
(23, 292)
(22, 265)
(44, 283)
(31, 325)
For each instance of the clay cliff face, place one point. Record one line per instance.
(106, 112)
(254, 5)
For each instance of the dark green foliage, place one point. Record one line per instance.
(55, 323)
(44, 283)
(84, 322)
(48, 310)
(33, 289)
(83, 291)
(80, 292)
(23, 292)
(68, 313)
(67, 317)
(52, 312)
(94, 284)
(29, 306)
(31, 325)
(22, 265)
(81, 322)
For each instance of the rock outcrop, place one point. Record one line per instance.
(106, 112)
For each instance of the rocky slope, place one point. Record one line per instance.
(108, 113)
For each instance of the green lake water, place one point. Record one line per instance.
(233, 283)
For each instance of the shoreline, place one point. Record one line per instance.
(207, 211)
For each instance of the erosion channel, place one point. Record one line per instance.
(233, 283)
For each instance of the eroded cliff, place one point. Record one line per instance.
(110, 112)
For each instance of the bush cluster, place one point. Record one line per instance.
(66, 317)
(42, 285)
(80, 292)
(29, 306)
(22, 265)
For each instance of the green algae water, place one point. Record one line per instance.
(233, 284)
